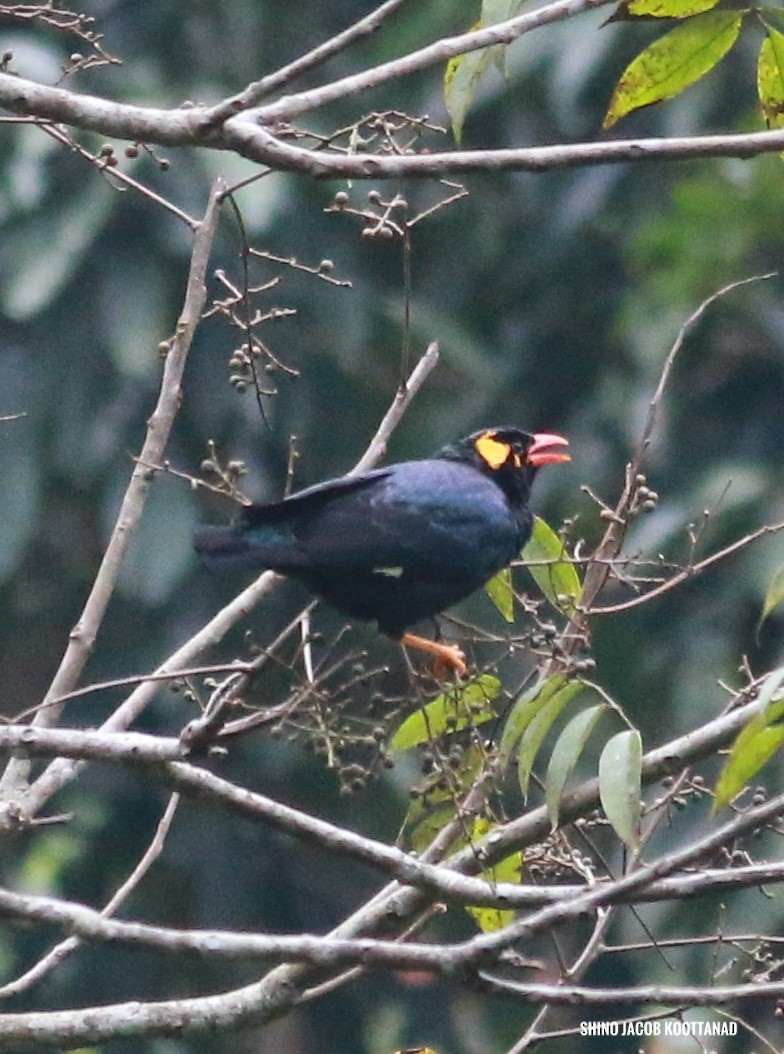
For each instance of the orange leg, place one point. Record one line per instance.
(448, 654)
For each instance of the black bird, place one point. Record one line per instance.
(402, 543)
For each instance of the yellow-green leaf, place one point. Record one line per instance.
(773, 597)
(568, 748)
(497, 11)
(674, 61)
(461, 78)
(500, 591)
(431, 823)
(755, 744)
(620, 785)
(525, 709)
(546, 562)
(538, 728)
(452, 711)
(463, 72)
(669, 8)
(506, 870)
(770, 88)
(436, 806)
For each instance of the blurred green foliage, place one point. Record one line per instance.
(555, 299)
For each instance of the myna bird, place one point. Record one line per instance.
(400, 544)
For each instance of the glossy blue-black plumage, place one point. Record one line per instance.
(395, 545)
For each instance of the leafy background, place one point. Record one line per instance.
(555, 299)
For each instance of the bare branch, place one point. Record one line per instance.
(84, 633)
(437, 54)
(163, 755)
(87, 924)
(259, 89)
(61, 951)
(691, 571)
(183, 127)
(378, 444)
(59, 772)
(669, 362)
(254, 142)
(675, 995)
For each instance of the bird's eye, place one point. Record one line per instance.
(494, 452)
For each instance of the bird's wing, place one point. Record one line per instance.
(408, 524)
(308, 501)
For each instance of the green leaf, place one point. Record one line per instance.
(436, 806)
(507, 870)
(568, 748)
(773, 597)
(541, 724)
(755, 744)
(525, 709)
(770, 79)
(500, 591)
(673, 62)
(461, 78)
(669, 8)
(43, 866)
(463, 72)
(556, 577)
(620, 784)
(497, 11)
(452, 711)
(427, 823)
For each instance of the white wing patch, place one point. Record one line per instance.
(390, 572)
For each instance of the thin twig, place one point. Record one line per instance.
(162, 756)
(61, 771)
(689, 572)
(83, 635)
(437, 54)
(61, 951)
(260, 89)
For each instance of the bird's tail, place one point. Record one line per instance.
(244, 548)
(224, 548)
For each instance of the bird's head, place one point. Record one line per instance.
(510, 456)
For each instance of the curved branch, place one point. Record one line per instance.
(274, 994)
(437, 54)
(256, 143)
(61, 771)
(88, 924)
(259, 89)
(82, 637)
(145, 124)
(256, 1003)
(245, 136)
(447, 881)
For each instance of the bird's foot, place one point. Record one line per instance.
(449, 657)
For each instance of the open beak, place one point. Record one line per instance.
(539, 453)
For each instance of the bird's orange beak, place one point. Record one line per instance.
(539, 453)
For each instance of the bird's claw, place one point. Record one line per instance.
(449, 658)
